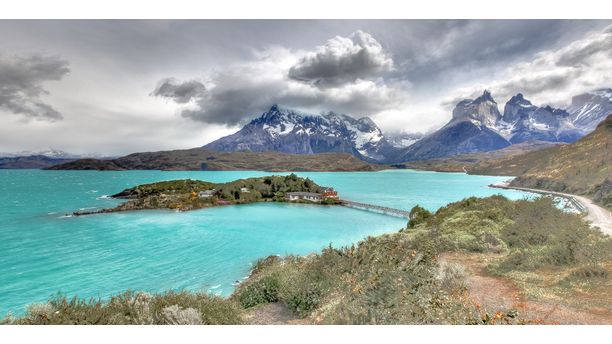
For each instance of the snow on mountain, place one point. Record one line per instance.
(49, 153)
(473, 128)
(291, 131)
(476, 125)
(482, 110)
(403, 140)
(589, 109)
(522, 121)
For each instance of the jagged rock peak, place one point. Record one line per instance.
(482, 110)
(486, 96)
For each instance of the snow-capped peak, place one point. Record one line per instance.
(589, 109)
(287, 130)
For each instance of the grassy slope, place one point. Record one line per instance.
(583, 167)
(200, 159)
(394, 278)
(467, 161)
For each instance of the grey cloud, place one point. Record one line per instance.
(21, 81)
(231, 105)
(343, 60)
(577, 54)
(180, 92)
(553, 76)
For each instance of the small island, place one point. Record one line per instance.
(188, 194)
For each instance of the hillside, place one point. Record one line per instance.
(583, 167)
(30, 162)
(465, 162)
(201, 159)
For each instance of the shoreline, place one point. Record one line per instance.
(595, 214)
(119, 210)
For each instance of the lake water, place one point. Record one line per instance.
(43, 252)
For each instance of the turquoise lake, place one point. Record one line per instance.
(44, 252)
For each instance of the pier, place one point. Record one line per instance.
(376, 208)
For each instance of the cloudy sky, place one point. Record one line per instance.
(116, 87)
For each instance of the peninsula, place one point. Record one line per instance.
(188, 194)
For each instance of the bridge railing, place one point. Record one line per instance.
(374, 207)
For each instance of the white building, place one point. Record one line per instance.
(306, 196)
(244, 190)
(207, 193)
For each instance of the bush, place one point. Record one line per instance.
(303, 298)
(590, 271)
(452, 277)
(262, 290)
(174, 315)
(417, 216)
(136, 309)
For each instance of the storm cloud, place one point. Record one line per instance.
(21, 80)
(241, 91)
(553, 76)
(180, 92)
(343, 60)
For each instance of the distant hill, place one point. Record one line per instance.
(465, 162)
(202, 159)
(583, 167)
(30, 162)
(39, 159)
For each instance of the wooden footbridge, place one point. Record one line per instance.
(377, 208)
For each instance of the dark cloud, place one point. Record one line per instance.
(579, 53)
(180, 92)
(343, 60)
(553, 76)
(21, 81)
(242, 91)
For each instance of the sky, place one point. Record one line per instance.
(114, 87)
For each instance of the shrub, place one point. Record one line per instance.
(590, 271)
(174, 315)
(452, 277)
(135, 308)
(262, 290)
(417, 216)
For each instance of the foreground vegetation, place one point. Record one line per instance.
(184, 195)
(398, 278)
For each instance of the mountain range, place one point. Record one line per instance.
(291, 131)
(40, 159)
(476, 126)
